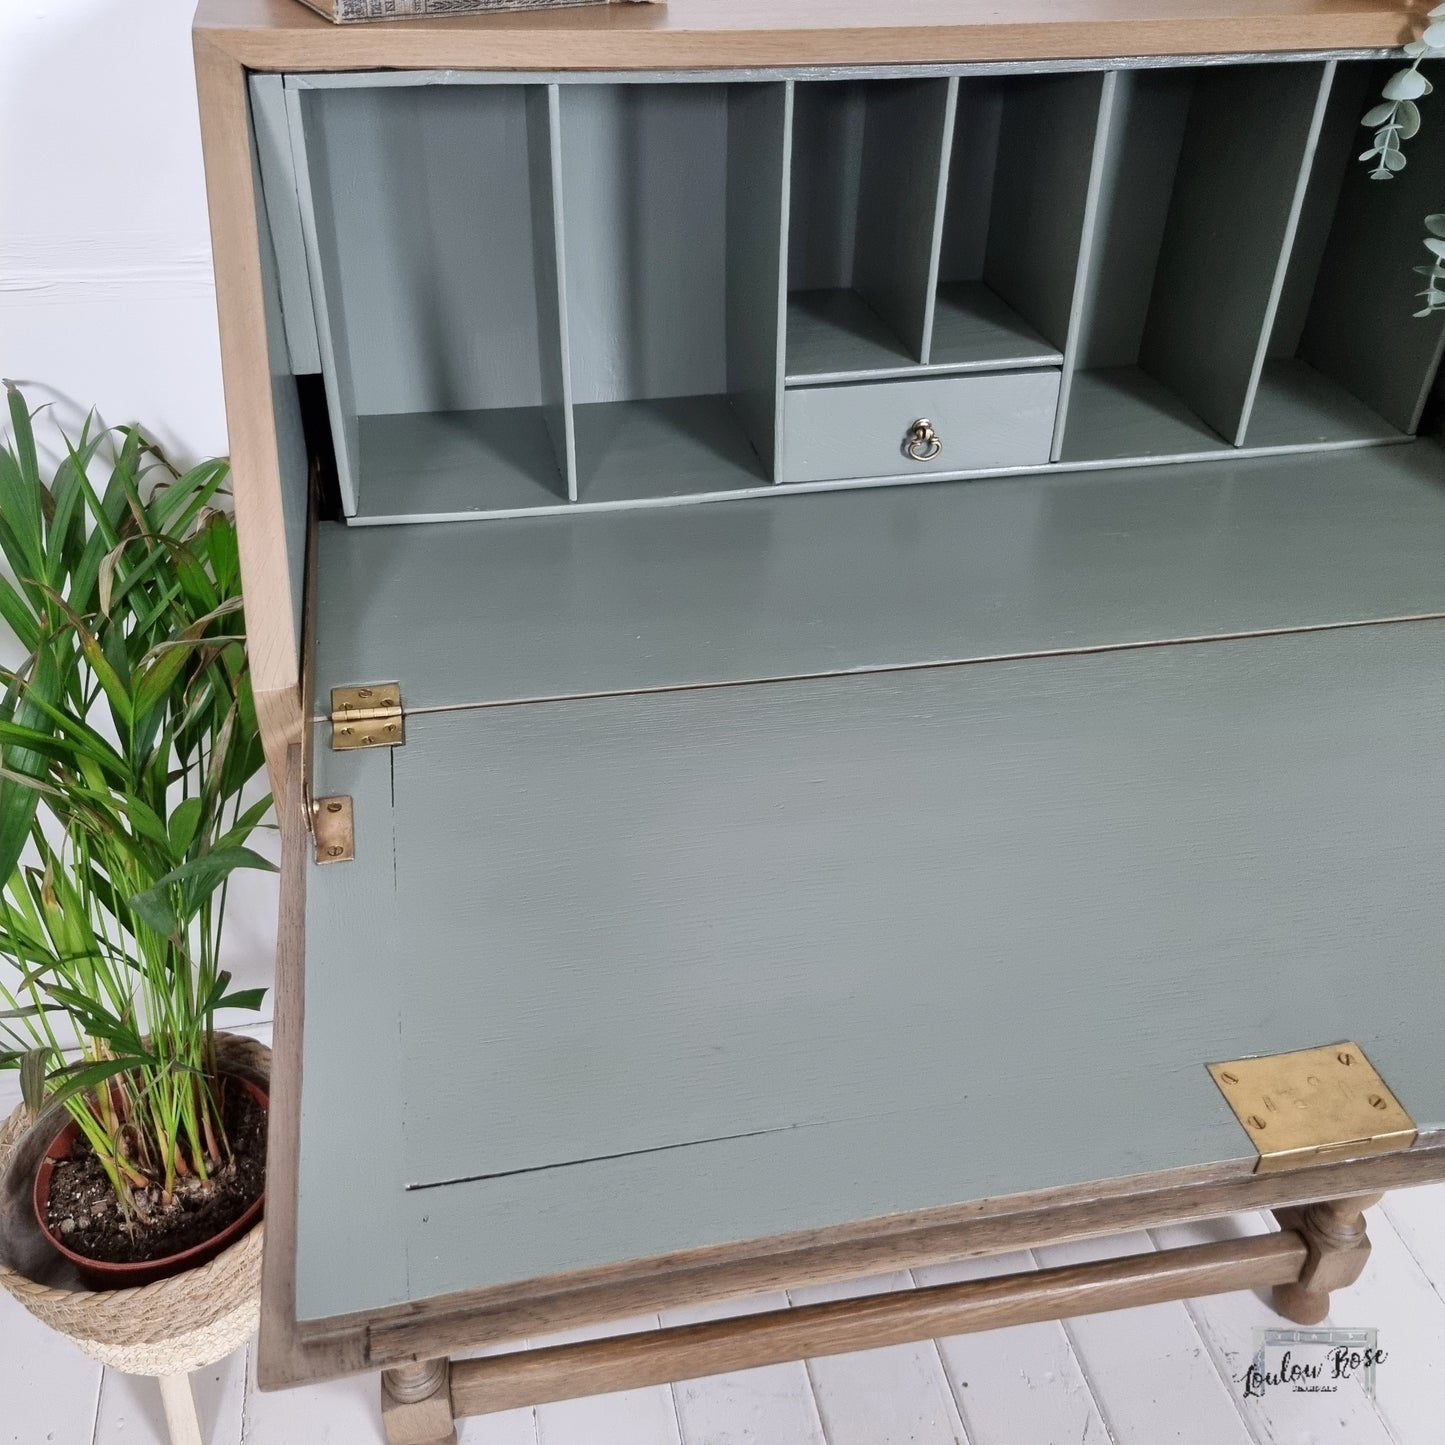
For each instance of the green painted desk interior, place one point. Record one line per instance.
(654, 970)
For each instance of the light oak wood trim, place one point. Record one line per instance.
(295, 1353)
(416, 1404)
(533, 1377)
(279, 716)
(1334, 1232)
(246, 370)
(280, 1351)
(281, 35)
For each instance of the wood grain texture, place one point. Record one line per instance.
(280, 1349)
(1242, 168)
(248, 366)
(502, 1382)
(278, 34)
(789, 586)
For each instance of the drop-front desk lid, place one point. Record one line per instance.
(753, 870)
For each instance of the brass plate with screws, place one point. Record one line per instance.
(1314, 1105)
(333, 830)
(367, 717)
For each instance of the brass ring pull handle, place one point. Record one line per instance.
(923, 444)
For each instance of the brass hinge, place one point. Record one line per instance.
(367, 717)
(333, 830)
(1314, 1105)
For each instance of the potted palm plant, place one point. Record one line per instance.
(128, 756)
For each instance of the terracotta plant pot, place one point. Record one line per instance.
(100, 1274)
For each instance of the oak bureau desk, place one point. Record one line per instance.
(848, 605)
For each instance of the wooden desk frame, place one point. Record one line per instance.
(1322, 1245)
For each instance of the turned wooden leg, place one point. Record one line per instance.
(180, 1408)
(416, 1404)
(1338, 1248)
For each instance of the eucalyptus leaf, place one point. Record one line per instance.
(1407, 84)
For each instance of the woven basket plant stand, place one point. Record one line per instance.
(171, 1327)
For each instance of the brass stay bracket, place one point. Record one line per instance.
(1314, 1105)
(333, 830)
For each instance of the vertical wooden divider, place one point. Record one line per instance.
(907, 141)
(940, 206)
(1235, 204)
(1104, 157)
(1281, 268)
(784, 232)
(544, 159)
(759, 135)
(280, 206)
(317, 232)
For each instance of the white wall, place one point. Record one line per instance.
(106, 294)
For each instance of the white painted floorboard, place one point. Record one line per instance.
(1169, 1373)
(1016, 1385)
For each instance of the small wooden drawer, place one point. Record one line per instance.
(1003, 419)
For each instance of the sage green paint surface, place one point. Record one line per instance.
(882, 927)
(1249, 135)
(1004, 419)
(842, 581)
(824, 943)
(281, 214)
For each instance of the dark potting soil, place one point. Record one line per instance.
(84, 1214)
